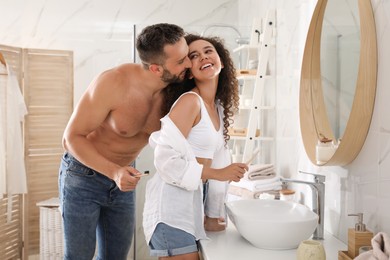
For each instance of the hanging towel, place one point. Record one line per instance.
(380, 248)
(16, 111)
(13, 110)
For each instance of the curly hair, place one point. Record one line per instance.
(152, 40)
(227, 89)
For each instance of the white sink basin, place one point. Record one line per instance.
(272, 224)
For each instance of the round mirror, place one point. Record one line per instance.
(340, 51)
(329, 125)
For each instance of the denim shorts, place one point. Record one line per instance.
(169, 241)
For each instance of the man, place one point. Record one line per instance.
(107, 130)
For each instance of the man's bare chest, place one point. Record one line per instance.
(129, 122)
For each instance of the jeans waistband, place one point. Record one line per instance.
(67, 157)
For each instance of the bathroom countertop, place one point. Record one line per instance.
(229, 245)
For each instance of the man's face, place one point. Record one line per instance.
(168, 77)
(177, 62)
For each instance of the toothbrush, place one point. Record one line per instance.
(255, 152)
(146, 173)
(141, 175)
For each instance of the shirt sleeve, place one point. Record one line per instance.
(217, 191)
(174, 159)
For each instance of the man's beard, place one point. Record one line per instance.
(169, 78)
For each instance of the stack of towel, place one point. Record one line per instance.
(381, 248)
(260, 178)
(260, 172)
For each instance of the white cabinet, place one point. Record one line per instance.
(254, 125)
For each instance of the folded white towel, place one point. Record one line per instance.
(380, 248)
(259, 185)
(260, 167)
(260, 175)
(261, 181)
(260, 171)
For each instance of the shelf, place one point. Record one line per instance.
(246, 77)
(246, 47)
(260, 107)
(260, 138)
(246, 74)
(251, 47)
(255, 109)
(253, 77)
(241, 132)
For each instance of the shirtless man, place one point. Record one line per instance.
(106, 132)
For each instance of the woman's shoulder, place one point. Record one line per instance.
(188, 100)
(191, 95)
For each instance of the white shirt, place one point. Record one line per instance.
(174, 195)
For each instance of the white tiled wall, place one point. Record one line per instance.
(101, 36)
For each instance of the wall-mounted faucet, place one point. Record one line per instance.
(318, 200)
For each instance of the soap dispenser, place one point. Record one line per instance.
(358, 236)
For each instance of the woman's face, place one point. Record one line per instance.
(206, 63)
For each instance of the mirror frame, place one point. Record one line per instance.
(314, 121)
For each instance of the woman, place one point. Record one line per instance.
(190, 149)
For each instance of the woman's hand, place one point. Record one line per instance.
(214, 224)
(233, 172)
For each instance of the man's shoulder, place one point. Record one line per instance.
(121, 71)
(128, 69)
(121, 75)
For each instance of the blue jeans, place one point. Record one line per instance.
(93, 207)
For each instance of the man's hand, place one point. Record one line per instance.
(126, 178)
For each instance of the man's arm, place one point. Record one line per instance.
(89, 114)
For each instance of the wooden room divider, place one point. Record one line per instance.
(46, 81)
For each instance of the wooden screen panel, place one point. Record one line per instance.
(48, 91)
(11, 232)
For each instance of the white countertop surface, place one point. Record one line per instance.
(229, 245)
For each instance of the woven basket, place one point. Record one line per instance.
(51, 236)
